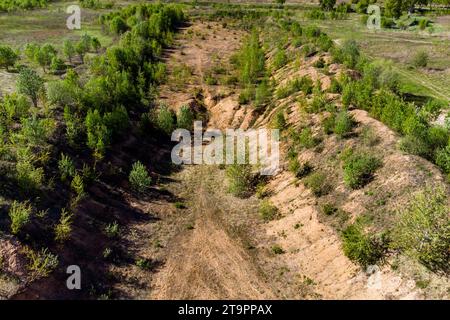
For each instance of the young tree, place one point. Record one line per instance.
(7, 57)
(69, 50)
(30, 84)
(95, 43)
(45, 55)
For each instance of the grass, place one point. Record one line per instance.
(379, 45)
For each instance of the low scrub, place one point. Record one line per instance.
(318, 183)
(423, 229)
(359, 168)
(361, 247)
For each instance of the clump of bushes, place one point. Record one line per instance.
(362, 247)
(423, 229)
(359, 168)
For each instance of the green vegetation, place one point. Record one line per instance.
(423, 230)
(318, 183)
(139, 178)
(359, 168)
(241, 179)
(12, 5)
(267, 210)
(362, 247)
(64, 227)
(19, 213)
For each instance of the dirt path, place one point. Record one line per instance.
(206, 262)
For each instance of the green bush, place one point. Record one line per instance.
(277, 249)
(420, 59)
(185, 118)
(19, 213)
(306, 139)
(279, 122)
(414, 145)
(335, 86)
(112, 230)
(343, 124)
(443, 159)
(30, 84)
(241, 180)
(66, 167)
(363, 248)
(64, 227)
(369, 137)
(359, 169)
(298, 169)
(165, 120)
(7, 57)
(318, 183)
(267, 210)
(139, 177)
(77, 185)
(280, 59)
(423, 229)
(328, 124)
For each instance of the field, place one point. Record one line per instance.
(358, 207)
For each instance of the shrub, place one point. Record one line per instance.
(41, 263)
(359, 169)
(66, 167)
(28, 176)
(361, 247)
(369, 137)
(328, 124)
(77, 185)
(420, 59)
(240, 179)
(279, 122)
(185, 118)
(19, 213)
(277, 249)
(165, 120)
(118, 25)
(7, 57)
(343, 123)
(30, 84)
(139, 177)
(443, 159)
(414, 145)
(280, 59)
(317, 182)
(306, 139)
(267, 210)
(329, 209)
(262, 94)
(112, 230)
(64, 227)
(298, 169)
(423, 229)
(335, 86)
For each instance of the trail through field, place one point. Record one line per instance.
(206, 262)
